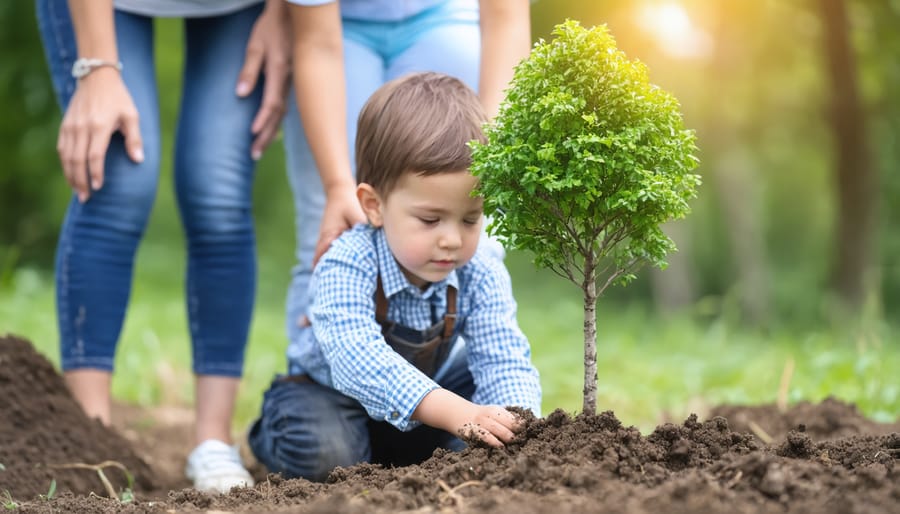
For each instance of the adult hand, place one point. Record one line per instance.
(342, 211)
(100, 106)
(268, 52)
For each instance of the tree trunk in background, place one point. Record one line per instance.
(735, 179)
(673, 287)
(856, 202)
(740, 197)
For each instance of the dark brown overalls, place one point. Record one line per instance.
(425, 349)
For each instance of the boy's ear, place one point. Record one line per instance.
(370, 202)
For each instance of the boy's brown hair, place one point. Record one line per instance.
(418, 123)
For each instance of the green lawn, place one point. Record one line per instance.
(651, 368)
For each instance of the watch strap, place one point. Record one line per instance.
(84, 66)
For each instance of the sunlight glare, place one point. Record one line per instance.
(671, 26)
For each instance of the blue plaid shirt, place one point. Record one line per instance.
(345, 349)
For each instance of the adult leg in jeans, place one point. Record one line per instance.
(309, 198)
(99, 238)
(446, 39)
(306, 430)
(449, 41)
(213, 181)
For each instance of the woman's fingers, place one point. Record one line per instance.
(253, 61)
(96, 156)
(134, 142)
(100, 106)
(75, 163)
(271, 121)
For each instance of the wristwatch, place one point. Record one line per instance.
(84, 66)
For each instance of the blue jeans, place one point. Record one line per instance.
(306, 429)
(445, 39)
(213, 182)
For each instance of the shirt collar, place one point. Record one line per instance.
(392, 278)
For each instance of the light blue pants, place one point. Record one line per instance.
(446, 39)
(213, 183)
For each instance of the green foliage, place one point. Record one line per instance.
(153, 358)
(30, 174)
(8, 502)
(50, 492)
(127, 494)
(654, 368)
(586, 159)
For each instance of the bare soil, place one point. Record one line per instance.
(823, 458)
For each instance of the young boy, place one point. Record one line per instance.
(413, 338)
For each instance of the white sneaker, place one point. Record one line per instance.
(216, 467)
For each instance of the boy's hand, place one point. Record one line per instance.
(491, 424)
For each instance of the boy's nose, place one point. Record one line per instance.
(450, 239)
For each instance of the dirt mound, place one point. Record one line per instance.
(836, 462)
(830, 419)
(44, 434)
(593, 464)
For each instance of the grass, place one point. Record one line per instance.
(651, 368)
(7, 501)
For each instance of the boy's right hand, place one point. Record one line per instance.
(492, 424)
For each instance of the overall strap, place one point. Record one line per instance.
(381, 304)
(450, 316)
(381, 308)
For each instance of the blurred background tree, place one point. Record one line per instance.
(797, 118)
(32, 199)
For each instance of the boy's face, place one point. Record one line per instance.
(432, 224)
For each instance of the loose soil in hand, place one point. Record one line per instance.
(822, 458)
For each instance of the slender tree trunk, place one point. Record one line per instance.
(855, 236)
(590, 339)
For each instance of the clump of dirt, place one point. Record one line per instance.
(562, 464)
(45, 436)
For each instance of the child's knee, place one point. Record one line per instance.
(302, 434)
(310, 451)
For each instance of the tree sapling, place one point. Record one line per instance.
(584, 162)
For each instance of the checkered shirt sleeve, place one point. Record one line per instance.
(362, 365)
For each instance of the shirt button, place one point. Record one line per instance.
(395, 415)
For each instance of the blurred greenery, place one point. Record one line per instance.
(651, 369)
(749, 289)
